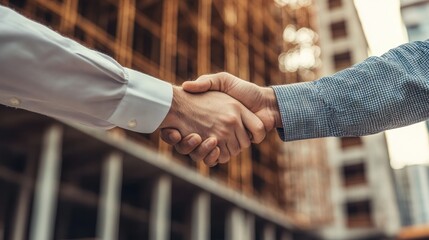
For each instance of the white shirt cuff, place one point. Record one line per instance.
(146, 102)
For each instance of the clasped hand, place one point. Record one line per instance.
(217, 116)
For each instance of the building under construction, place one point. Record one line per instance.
(61, 181)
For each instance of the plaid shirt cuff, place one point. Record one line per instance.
(303, 112)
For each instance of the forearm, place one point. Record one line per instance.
(378, 94)
(56, 76)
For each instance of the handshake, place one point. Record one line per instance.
(216, 116)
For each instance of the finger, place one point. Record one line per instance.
(254, 125)
(188, 144)
(203, 149)
(242, 136)
(171, 136)
(224, 153)
(213, 156)
(233, 146)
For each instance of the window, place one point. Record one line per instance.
(342, 60)
(338, 30)
(413, 27)
(348, 142)
(332, 4)
(359, 214)
(354, 175)
(415, 32)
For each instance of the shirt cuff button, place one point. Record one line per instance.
(132, 123)
(14, 101)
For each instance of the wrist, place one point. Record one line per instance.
(272, 106)
(175, 111)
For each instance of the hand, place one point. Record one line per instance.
(216, 117)
(260, 100)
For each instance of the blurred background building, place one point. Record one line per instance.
(412, 181)
(414, 14)
(413, 194)
(79, 184)
(362, 189)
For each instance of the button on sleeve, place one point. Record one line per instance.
(146, 103)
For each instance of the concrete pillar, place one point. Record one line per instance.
(24, 197)
(110, 200)
(45, 197)
(286, 236)
(21, 216)
(159, 225)
(201, 217)
(234, 225)
(269, 232)
(249, 224)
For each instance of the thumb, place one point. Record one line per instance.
(198, 86)
(214, 82)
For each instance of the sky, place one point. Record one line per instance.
(383, 27)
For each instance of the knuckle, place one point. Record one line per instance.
(215, 153)
(188, 146)
(200, 153)
(230, 119)
(235, 152)
(223, 74)
(207, 147)
(223, 160)
(233, 149)
(246, 143)
(224, 132)
(209, 158)
(195, 156)
(211, 162)
(180, 149)
(236, 106)
(259, 139)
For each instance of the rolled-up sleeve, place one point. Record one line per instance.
(44, 72)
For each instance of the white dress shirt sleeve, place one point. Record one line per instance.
(44, 72)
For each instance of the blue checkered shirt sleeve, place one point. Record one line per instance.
(377, 94)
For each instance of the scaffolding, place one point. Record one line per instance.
(176, 41)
